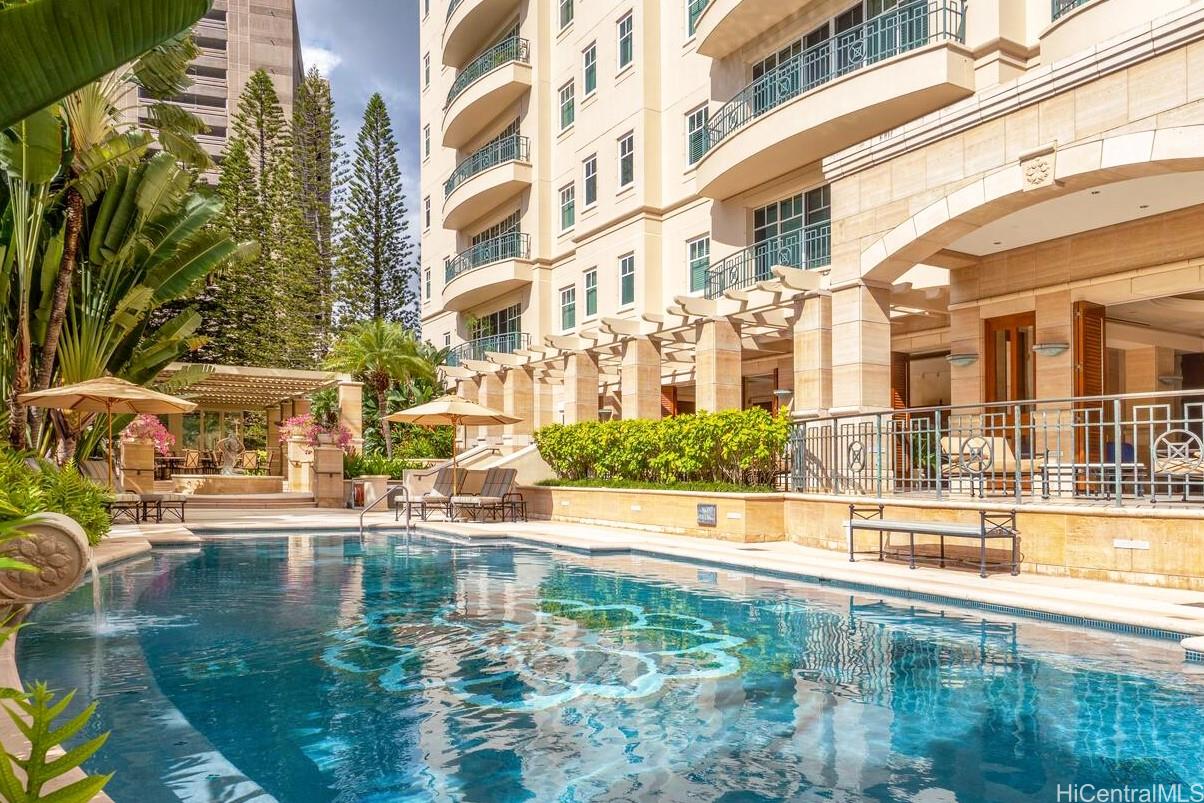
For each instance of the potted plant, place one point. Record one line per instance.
(149, 430)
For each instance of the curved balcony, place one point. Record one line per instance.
(483, 89)
(890, 70)
(508, 262)
(807, 248)
(724, 26)
(471, 24)
(483, 181)
(481, 347)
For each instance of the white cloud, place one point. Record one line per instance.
(325, 60)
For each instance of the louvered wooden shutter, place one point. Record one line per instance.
(668, 401)
(1089, 346)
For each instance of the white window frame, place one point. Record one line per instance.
(572, 13)
(568, 202)
(589, 59)
(568, 299)
(625, 261)
(427, 283)
(568, 97)
(627, 151)
(592, 273)
(426, 212)
(629, 20)
(589, 170)
(704, 238)
(426, 141)
(705, 111)
(426, 70)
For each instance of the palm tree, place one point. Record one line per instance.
(381, 354)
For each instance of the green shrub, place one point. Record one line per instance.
(363, 465)
(25, 490)
(710, 487)
(736, 448)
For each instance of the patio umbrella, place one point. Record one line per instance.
(108, 395)
(454, 411)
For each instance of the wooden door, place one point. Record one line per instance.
(1090, 352)
(1010, 376)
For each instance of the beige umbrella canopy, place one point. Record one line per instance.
(108, 395)
(453, 411)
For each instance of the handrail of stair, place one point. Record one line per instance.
(386, 497)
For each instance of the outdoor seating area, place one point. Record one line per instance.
(131, 506)
(460, 494)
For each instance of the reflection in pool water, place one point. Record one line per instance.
(315, 669)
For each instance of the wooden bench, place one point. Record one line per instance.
(990, 526)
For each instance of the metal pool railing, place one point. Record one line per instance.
(510, 149)
(1117, 450)
(511, 245)
(808, 247)
(504, 52)
(896, 31)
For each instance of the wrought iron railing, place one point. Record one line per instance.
(809, 247)
(896, 31)
(505, 343)
(694, 11)
(510, 149)
(511, 245)
(1060, 7)
(1117, 450)
(504, 52)
(452, 6)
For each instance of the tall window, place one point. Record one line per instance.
(568, 204)
(591, 181)
(696, 133)
(626, 40)
(426, 212)
(698, 257)
(568, 308)
(426, 283)
(591, 293)
(626, 159)
(566, 12)
(504, 226)
(803, 222)
(426, 70)
(627, 280)
(589, 60)
(568, 107)
(426, 141)
(501, 325)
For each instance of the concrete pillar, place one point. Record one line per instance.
(519, 401)
(299, 474)
(175, 425)
(138, 466)
(861, 348)
(351, 412)
(543, 404)
(1055, 324)
(492, 396)
(966, 337)
(300, 406)
(580, 388)
(813, 356)
(640, 379)
(326, 476)
(718, 374)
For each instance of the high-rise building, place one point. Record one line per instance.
(645, 207)
(236, 38)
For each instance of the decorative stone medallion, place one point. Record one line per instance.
(1038, 171)
(56, 546)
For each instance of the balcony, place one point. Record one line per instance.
(508, 259)
(809, 247)
(483, 181)
(725, 26)
(478, 349)
(485, 88)
(471, 24)
(888, 71)
(1060, 7)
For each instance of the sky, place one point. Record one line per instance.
(366, 46)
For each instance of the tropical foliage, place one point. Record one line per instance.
(376, 465)
(30, 485)
(736, 447)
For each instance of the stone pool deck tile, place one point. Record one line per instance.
(1135, 606)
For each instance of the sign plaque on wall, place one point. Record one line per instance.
(708, 515)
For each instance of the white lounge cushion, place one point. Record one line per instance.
(476, 500)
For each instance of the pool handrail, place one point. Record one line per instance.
(386, 497)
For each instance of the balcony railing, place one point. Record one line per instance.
(504, 52)
(511, 245)
(1134, 449)
(809, 247)
(510, 149)
(505, 343)
(452, 6)
(889, 34)
(694, 11)
(1060, 7)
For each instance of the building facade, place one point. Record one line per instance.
(236, 38)
(650, 207)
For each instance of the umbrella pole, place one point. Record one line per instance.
(455, 454)
(109, 409)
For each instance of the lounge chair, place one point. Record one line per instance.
(438, 498)
(132, 506)
(495, 496)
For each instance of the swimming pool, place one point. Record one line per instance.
(317, 668)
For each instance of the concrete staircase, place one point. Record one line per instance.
(243, 501)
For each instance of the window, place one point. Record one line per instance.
(426, 70)
(426, 212)
(591, 293)
(426, 8)
(696, 133)
(566, 12)
(568, 308)
(803, 224)
(626, 40)
(589, 60)
(426, 141)
(426, 284)
(447, 340)
(568, 203)
(568, 111)
(505, 226)
(591, 181)
(627, 160)
(627, 280)
(698, 257)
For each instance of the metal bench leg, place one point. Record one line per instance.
(881, 540)
(912, 538)
(982, 558)
(1015, 555)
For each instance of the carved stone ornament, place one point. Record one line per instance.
(56, 546)
(1038, 172)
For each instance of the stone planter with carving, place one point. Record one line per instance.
(57, 547)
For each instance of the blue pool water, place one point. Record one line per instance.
(315, 668)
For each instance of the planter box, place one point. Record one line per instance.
(746, 518)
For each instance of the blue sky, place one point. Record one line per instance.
(367, 46)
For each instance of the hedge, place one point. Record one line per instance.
(737, 447)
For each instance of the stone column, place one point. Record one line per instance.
(519, 401)
(300, 406)
(299, 460)
(718, 373)
(326, 476)
(861, 348)
(543, 404)
(351, 412)
(493, 396)
(469, 390)
(813, 356)
(175, 425)
(640, 379)
(138, 466)
(580, 388)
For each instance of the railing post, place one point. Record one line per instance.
(1016, 449)
(1117, 453)
(878, 452)
(940, 458)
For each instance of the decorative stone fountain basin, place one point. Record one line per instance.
(226, 484)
